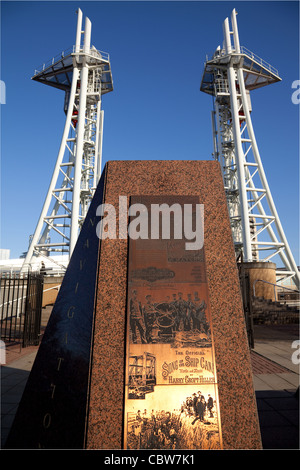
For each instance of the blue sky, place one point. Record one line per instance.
(156, 110)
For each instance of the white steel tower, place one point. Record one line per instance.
(229, 76)
(84, 74)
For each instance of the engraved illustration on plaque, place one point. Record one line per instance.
(171, 394)
(190, 421)
(174, 319)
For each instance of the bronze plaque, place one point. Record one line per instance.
(171, 393)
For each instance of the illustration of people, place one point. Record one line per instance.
(136, 318)
(166, 429)
(210, 405)
(160, 439)
(199, 317)
(200, 407)
(173, 436)
(195, 399)
(156, 320)
(145, 417)
(181, 312)
(202, 317)
(189, 312)
(196, 316)
(173, 306)
(149, 314)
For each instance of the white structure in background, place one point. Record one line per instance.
(229, 76)
(4, 254)
(54, 265)
(84, 74)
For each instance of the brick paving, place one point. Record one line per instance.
(262, 365)
(275, 379)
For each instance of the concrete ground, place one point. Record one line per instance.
(275, 378)
(276, 383)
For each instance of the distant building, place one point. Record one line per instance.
(55, 265)
(4, 254)
(288, 283)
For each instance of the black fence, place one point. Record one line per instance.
(21, 308)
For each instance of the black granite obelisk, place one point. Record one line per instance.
(52, 411)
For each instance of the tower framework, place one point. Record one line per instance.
(84, 74)
(229, 76)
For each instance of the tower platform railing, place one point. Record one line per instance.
(258, 59)
(68, 52)
(244, 51)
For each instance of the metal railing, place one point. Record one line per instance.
(251, 55)
(221, 86)
(67, 52)
(259, 60)
(55, 59)
(33, 310)
(21, 308)
(275, 285)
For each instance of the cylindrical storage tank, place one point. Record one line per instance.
(262, 277)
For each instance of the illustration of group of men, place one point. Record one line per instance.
(168, 430)
(197, 406)
(158, 430)
(176, 314)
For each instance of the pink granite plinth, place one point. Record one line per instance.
(238, 412)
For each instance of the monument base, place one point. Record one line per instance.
(237, 404)
(81, 392)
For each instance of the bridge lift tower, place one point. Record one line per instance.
(229, 76)
(84, 74)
